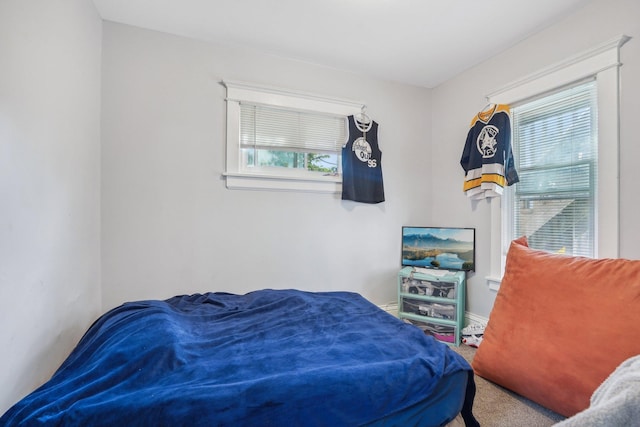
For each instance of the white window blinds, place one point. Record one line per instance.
(273, 128)
(554, 140)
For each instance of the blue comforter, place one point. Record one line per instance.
(267, 358)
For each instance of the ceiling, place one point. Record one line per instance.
(418, 42)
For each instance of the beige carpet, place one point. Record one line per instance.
(495, 406)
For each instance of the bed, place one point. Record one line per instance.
(267, 358)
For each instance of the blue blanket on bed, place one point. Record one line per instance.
(268, 358)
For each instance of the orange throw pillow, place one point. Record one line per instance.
(560, 325)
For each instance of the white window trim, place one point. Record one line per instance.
(603, 63)
(236, 178)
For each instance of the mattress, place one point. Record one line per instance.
(267, 358)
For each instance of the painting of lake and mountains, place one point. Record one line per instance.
(442, 248)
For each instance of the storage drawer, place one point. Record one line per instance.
(431, 309)
(444, 333)
(429, 288)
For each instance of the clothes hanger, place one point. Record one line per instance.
(487, 112)
(362, 115)
(488, 107)
(363, 121)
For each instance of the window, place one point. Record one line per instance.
(282, 140)
(594, 182)
(555, 148)
(272, 138)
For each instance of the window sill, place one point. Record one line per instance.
(494, 283)
(246, 181)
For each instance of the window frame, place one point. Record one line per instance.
(286, 179)
(601, 63)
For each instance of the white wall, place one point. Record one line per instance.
(460, 98)
(49, 186)
(170, 226)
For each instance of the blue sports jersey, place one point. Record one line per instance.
(361, 163)
(487, 158)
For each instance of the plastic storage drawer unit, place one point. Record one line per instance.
(433, 301)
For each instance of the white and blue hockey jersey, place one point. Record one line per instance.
(487, 158)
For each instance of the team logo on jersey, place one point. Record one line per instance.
(362, 149)
(486, 141)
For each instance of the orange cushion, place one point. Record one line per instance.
(560, 325)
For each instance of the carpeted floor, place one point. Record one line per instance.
(495, 406)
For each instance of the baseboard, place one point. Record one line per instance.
(391, 308)
(474, 318)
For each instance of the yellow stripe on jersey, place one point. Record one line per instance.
(473, 183)
(486, 178)
(494, 178)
